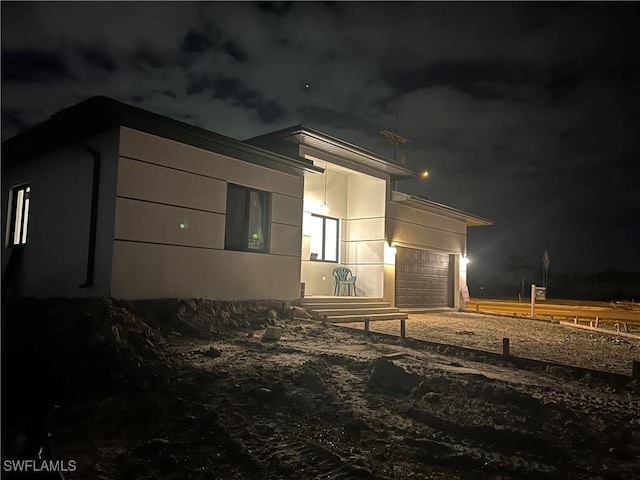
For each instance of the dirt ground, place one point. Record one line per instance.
(191, 390)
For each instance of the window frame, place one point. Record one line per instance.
(324, 239)
(266, 221)
(12, 216)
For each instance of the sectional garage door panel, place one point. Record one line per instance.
(422, 278)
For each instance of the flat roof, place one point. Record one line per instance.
(304, 135)
(438, 209)
(100, 113)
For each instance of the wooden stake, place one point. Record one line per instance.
(403, 329)
(366, 325)
(505, 347)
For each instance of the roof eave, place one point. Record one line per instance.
(395, 170)
(100, 113)
(439, 209)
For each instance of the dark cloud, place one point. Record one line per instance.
(33, 66)
(195, 42)
(100, 59)
(277, 8)
(313, 114)
(234, 51)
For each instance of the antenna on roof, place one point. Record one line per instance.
(396, 139)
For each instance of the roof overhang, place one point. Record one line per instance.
(438, 209)
(307, 136)
(98, 114)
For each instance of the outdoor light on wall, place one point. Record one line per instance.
(465, 260)
(390, 253)
(424, 174)
(324, 208)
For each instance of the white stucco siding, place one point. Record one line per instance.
(159, 184)
(161, 151)
(418, 229)
(158, 223)
(171, 219)
(285, 240)
(147, 271)
(55, 257)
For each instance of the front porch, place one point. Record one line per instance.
(343, 225)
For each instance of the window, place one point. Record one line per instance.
(247, 221)
(324, 238)
(18, 215)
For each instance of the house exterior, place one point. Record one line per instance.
(105, 199)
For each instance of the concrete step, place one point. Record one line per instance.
(346, 306)
(354, 311)
(344, 299)
(361, 318)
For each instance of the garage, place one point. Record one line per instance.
(422, 279)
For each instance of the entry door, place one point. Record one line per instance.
(422, 278)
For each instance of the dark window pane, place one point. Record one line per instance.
(247, 219)
(235, 220)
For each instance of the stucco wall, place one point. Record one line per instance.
(365, 226)
(170, 221)
(415, 228)
(55, 256)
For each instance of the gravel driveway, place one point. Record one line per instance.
(527, 338)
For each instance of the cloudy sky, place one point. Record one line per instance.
(524, 113)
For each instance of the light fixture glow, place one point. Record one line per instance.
(424, 174)
(324, 208)
(465, 260)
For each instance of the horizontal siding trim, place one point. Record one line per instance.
(168, 204)
(160, 165)
(426, 226)
(203, 248)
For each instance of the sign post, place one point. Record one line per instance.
(546, 260)
(533, 300)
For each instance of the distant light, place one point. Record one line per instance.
(424, 174)
(465, 260)
(183, 226)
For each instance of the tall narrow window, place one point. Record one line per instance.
(324, 238)
(247, 220)
(18, 215)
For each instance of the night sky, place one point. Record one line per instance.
(524, 113)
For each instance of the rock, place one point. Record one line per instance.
(387, 375)
(298, 312)
(272, 333)
(431, 397)
(263, 392)
(212, 352)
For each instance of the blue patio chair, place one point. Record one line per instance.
(343, 276)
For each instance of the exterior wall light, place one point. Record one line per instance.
(390, 253)
(424, 174)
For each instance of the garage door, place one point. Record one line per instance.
(422, 278)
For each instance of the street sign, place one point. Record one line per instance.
(541, 293)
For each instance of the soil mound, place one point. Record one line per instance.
(385, 374)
